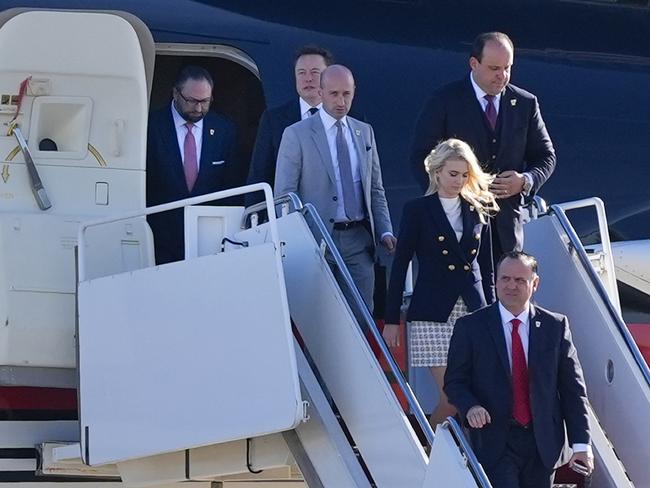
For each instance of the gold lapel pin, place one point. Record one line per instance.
(538, 324)
(211, 132)
(513, 102)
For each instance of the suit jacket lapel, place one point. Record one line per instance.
(473, 108)
(171, 145)
(209, 139)
(535, 340)
(470, 220)
(507, 116)
(496, 331)
(360, 147)
(445, 228)
(292, 113)
(320, 140)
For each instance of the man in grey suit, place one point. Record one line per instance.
(330, 160)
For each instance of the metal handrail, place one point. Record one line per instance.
(291, 198)
(218, 195)
(361, 307)
(600, 289)
(604, 239)
(475, 467)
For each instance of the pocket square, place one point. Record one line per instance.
(214, 163)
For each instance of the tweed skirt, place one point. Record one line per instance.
(429, 341)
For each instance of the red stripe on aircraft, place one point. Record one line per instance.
(35, 398)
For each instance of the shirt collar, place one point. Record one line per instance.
(329, 121)
(304, 107)
(478, 91)
(179, 121)
(507, 316)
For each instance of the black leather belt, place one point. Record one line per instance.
(349, 225)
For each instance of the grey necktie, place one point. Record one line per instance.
(352, 209)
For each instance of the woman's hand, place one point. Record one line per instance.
(392, 335)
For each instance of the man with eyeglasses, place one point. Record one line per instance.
(190, 152)
(514, 376)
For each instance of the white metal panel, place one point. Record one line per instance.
(632, 263)
(322, 439)
(87, 92)
(447, 466)
(209, 462)
(29, 433)
(185, 355)
(344, 360)
(206, 226)
(619, 405)
(93, 55)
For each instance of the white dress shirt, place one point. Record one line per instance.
(524, 329)
(181, 132)
(330, 131)
(452, 209)
(304, 109)
(524, 334)
(480, 96)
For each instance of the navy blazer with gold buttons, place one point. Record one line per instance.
(447, 268)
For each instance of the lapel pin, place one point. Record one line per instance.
(513, 102)
(538, 324)
(471, 208)
(211, 132)
(357, 132)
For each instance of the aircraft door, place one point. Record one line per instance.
(77, 92)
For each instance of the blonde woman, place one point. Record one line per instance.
(448, 231)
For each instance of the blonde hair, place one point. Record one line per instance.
(477, 188)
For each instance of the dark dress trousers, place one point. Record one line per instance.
(520, 142)
(478, 373)
(447, 268)
(265, 152)
(166, 178)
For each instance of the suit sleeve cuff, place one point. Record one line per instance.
(583, 448)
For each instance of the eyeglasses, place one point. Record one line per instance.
(193, 101)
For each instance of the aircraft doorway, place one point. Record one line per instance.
(237, 90)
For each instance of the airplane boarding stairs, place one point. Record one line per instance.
(190, 370)
(583, 286)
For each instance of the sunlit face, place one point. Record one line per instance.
(337, 93)
(307, 70)
(515, 284)
(492, 73)
(193, 100)
(452, 177)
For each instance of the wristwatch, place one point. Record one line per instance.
(528, 184)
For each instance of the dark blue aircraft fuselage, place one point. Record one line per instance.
(589, 65)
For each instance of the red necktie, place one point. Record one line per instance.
(190, 165)
(491, 111)
(520, 391)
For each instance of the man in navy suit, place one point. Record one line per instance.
(310, 62)
(503, 125)
(189, 153)
(514, 376)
